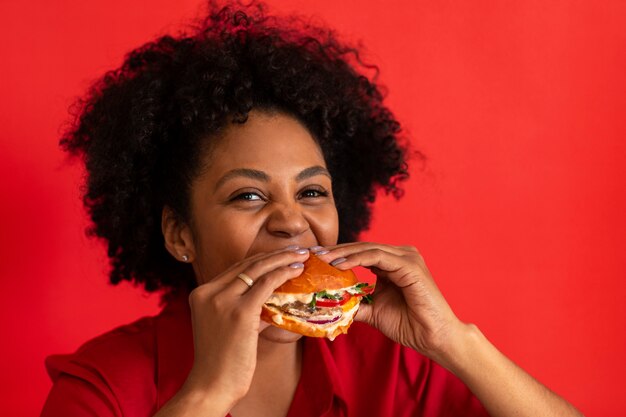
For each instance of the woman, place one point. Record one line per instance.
(247, 147)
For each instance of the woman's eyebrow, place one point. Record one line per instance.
(255, 174)
(311, 172)
(243, 172)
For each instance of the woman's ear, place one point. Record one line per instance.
(178, 236)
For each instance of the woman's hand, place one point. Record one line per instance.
(226, 324)
(409, 309)
(408, 306)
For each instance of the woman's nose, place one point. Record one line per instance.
(286, 221)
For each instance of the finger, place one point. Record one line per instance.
(347, 249)
(263, 325)
(262, 266)
(265, 285)
(368, 245)
(364, 314)
(259, 267)
(395, 267)
(240, 266)
(370, 257)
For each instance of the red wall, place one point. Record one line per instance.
(520, 210)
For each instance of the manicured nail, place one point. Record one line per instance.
(338, 261)
(322, 252)
(296, 265)
(292, 247)
(316, 249)
(301, 251)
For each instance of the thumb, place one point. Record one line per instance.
(364, 314)
(263, 325)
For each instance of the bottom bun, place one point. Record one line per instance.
(295, 325)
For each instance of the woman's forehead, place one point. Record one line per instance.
(266, 142)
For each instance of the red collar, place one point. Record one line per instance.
(319, 392)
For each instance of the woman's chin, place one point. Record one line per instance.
(277, 335)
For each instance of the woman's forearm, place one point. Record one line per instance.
(503, 387)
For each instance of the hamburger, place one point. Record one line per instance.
(320, 302)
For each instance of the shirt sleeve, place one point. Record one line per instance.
(77, 392)
(73, 397)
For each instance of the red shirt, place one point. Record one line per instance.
(134, 370)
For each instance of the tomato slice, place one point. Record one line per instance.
(327, 302)
(367, 290)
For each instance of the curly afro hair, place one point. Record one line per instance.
(141, 128)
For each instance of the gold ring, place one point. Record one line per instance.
(249, 282)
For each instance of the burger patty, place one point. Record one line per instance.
(306, 311)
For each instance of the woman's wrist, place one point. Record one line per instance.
(454, 353)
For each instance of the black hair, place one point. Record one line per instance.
(141, 128)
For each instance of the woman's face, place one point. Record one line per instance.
(264, 187)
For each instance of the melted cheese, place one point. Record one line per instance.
(350, 303)
(280, 299)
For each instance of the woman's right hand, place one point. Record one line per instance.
(226, 323)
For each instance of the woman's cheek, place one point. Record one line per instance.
(325, 225)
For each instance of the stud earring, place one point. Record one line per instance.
(185, 258)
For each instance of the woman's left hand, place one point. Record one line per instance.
(408, 307)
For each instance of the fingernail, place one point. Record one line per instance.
(338, 261)
(301, 251)
(292, 247)
(296, 265)
(315, 249)
(322, 252)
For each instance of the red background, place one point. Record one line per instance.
(519, 212)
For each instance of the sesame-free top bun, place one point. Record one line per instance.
(318, 276)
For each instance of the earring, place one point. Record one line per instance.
(185, 258)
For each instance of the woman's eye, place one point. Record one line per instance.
(248, 197)
(313, 193)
